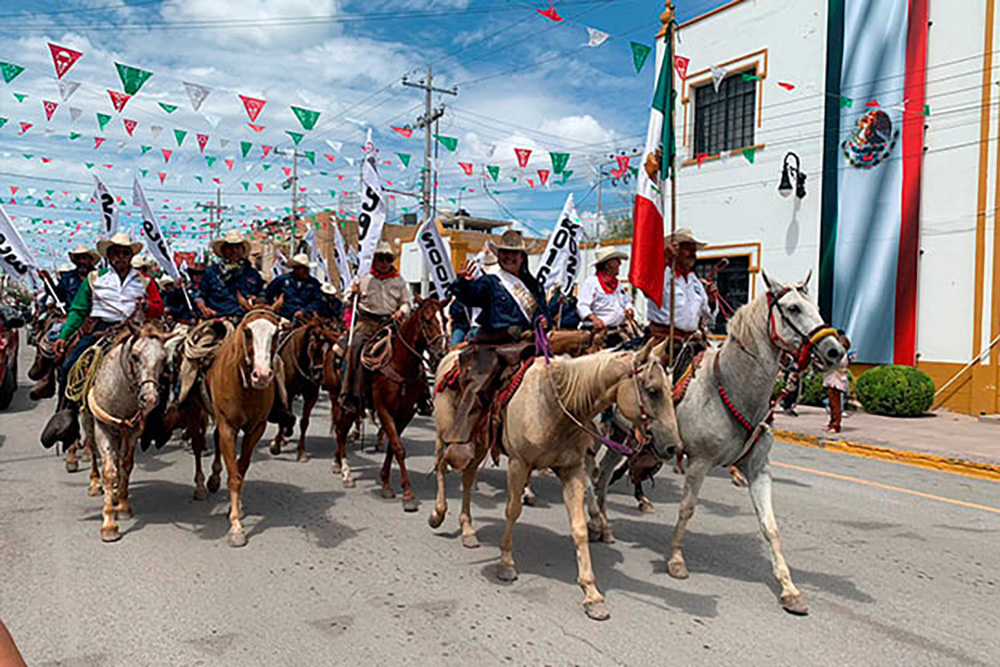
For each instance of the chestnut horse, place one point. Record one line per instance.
(395, 387)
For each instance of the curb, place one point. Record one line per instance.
(956, 466)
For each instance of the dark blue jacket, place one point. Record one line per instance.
(499, 310)
(300, 295)
(331, 307)
(570, 318)
(175, 305)
(218, 288)
(69, 283)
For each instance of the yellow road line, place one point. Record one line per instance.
(887, 487)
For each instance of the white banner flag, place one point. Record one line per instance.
(15, 260)
(436, 256)
(372, 215)
(157, 244)
(340, 257)
(310, 240)
(561, 259)
(109, 210)
(322, 272)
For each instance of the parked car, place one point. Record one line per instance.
(10, 321)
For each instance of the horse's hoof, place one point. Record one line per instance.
(336, 468)
(506, 572)
(645, 506)
(213, 484)
(110, 535)
(795, 604)
(607, 537)
(94, 490)
(349, 483)
(200, 493)
(124, 515)
(435, 519)
(72, 465)
(410, 504)
(85, 455)
(529, 499)
(597, 611)
(387, 493)
(302, 456)
(677, 569)
(470, 541)
(593, 533)
(237, 539)
(275, 448)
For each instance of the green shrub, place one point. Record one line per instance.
(895, 391)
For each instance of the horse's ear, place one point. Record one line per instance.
(805, 283)
(419, 299)
(276, 306)
(660, 351)
(772, 285)
(643, 354)
(242, 300)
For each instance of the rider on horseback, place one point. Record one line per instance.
(107, 298)
(302, 292)
(511, 301)
(604, 301)
(225, 280)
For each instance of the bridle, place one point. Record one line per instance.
(803, 352)
(425, 332)
(245, 360)
(644, 420)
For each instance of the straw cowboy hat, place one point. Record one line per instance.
(301, 259)
(84, 250)
(384, 248)
(328, 289)
(63, 268)
(232, 237)
(608, 253)
(684, 235)
(509, 240)
(120, 239)
(141, 262)
(164, 281)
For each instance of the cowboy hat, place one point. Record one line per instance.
(684, 235)
(608, 253)
(63, 268)
(84, 250)
(384, 248)
(509, 240)
(119, 239)
(197, 267)
(328, 289)
(232, 237)
(165, 280)
(141, 262)
(300, 259)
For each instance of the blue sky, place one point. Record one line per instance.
(523, 81)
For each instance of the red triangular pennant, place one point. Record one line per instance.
(202, 142)
(24, 127)
(130, 125)
(550, 13)
(873, 103)
(50, 108)
(253, 107)
(266, 149)
(163, 177)
(256, 128)
(681, 65)
(229, 163)
(405, 131)
(466, 167)
(623, 161)
(260, 187)
(523, 154)
(119, 100)
(329, 157)
(543, 176)
(166, 154)
(63, 58)
(97, 142)
(787, 86)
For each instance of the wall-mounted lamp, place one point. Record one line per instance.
(789, 170)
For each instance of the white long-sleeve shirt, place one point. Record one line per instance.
(690, 304)
(593, 300)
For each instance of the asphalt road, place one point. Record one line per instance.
(340, 576)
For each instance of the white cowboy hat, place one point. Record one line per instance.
(119, 239)
(164, 281)
(63, 268)
(489, 259)
(141, 262)
(328, 289)
(608, 253)
(84, 250)
(684, 235)
(509, 240)
(232, 237)
(300, 259)
(384, 248)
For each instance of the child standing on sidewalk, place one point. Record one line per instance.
(837, 382)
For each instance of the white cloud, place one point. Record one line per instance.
(259, 22)
(578, 129)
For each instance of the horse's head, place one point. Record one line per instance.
(645, 398)
(796, 326)
(144, 356)
(429, 314)
(259, 330)
(320, 339)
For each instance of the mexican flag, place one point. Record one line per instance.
(648, 266)
(872, 160)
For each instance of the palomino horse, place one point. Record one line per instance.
(548, 423)
(396, 385)
(125, 389)
(241, 389)
(303, 353)
(722, 418)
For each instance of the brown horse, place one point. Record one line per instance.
(303, 353)
(396, 385)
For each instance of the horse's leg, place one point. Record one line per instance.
(122, 509)
(250, 440)
(234, 480)
(760, 494)
(109, 529)
(697, 469)
(644, 504)
(385, 475)
(72, 462)
(440, 470)
(392, 430)
(600, 524)
(277, 442)
(517, 477)
(214, 480)
(94, 487)
(469, 539)
(341, 467)
(574, 483)
(197, 447)
(309, 399)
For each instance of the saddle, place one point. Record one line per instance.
(198, 351)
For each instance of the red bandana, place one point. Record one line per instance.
(608, 282)
(391, 273)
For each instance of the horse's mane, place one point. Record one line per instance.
(582, 380)
(749, 319)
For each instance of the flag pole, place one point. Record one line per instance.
(668, 30)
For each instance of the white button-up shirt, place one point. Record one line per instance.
(593, 300)
(114, 299)
(690, 304)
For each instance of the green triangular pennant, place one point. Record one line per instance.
(450, 143)
(169, 108)
(74, 136)
(10, 71)
(102, 120)
(265, 167)
(927, 110)
(88, 165)
(21, 97)
(639, 54)
(199, 179)
(179, 136)
(307, 117)
(846, 102)
(493, 171)
(245, 146)
(28, 156)
(404, 158)
(210, 160)
(145, 149)
(3, 121)
(750, 154)
(246, 185)
(750, 77)
(559, 161)
(144, 172)
(296, 136)
(132, 77)
(310, 155)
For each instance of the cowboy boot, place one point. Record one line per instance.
(44, 388)
(62, 427)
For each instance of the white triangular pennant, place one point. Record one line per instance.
(212, 119)
(596, 37)
(67, 88)
(156, 129)
(223, 142)
(75, 113)
(718, 74)
(197, 93)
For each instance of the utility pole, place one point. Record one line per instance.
(215, 209)
(293, 182)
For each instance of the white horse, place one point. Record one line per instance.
(722, 418)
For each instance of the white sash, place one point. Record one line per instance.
(523, 297)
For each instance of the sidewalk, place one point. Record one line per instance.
(943, 440)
